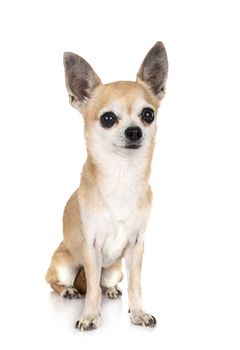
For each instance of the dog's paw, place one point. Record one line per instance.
(88, 322)
(113, 293)
(70, 293)
(142, 319)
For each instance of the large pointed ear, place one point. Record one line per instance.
(80, 79)
(154, 69)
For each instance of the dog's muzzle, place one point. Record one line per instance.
(133, 135)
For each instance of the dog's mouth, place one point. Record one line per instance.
(132, 146)
(126, 145)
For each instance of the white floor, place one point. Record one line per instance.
(196, 308)
(39, 318)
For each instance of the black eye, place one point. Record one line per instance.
(108, 119)
(147, 115)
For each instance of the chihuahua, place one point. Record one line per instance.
(105, 218)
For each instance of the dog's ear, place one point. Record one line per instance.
(80, 79)
(154, 69)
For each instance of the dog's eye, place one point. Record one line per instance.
(108, 119)
(147, 115)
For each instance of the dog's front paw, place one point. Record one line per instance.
(140, 318)
(88, 322)
(70, 293)
(113, 293)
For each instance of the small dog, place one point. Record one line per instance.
(105, 219)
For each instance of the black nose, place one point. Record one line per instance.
(133, 133)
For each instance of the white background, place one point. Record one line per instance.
(191, 263)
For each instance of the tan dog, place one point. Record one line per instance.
(105, 219)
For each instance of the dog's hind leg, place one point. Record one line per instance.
(62, 273)
(110, 278)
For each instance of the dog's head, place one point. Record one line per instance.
(120, 117)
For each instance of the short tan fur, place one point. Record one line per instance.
(105, 218)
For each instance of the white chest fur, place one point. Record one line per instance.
(121, 188)
(120, 221)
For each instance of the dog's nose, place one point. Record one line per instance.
(133, 133)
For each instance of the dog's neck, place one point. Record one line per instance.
(126, 163)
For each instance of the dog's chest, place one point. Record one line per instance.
(114, 244)
(120, 193)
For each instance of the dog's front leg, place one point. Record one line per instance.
(90, 318)
(133, 257)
